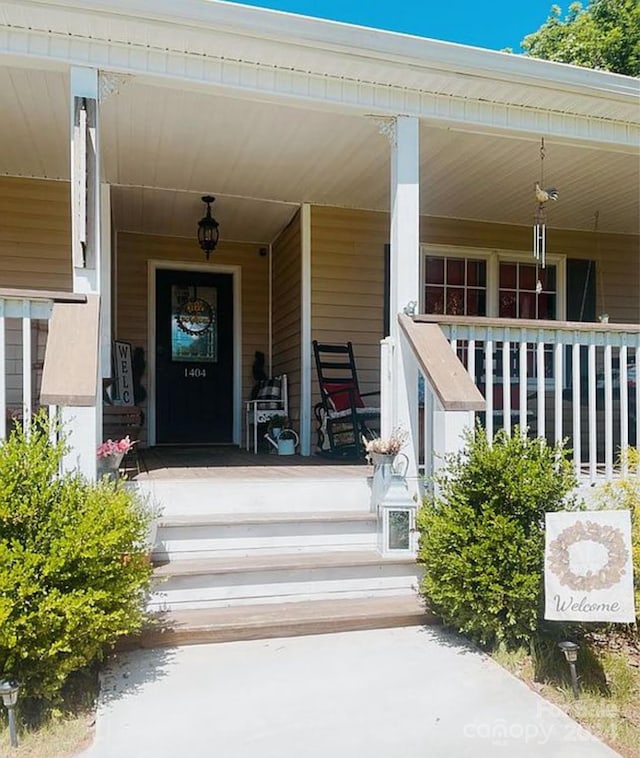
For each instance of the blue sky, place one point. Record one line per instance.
(495, 24)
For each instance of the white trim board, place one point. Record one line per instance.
(153, 266)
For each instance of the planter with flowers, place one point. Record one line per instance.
(383, 453)
(110, 455)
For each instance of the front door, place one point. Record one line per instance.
(194, 357)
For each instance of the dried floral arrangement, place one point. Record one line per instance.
(390, 445)
(115, 447)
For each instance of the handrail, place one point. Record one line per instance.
(10, 293)
(447, 376)
(503, 323)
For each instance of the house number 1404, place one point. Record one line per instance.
(196, 373)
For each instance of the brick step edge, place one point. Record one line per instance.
(282, 620)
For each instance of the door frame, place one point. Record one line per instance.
(211, 268)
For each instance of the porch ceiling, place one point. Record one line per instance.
(164, 147)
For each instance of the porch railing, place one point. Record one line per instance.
(557, 380)
(24, 325)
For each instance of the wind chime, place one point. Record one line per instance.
(540, 217)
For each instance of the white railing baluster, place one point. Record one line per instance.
(471, 357)
(608, 410)
(575, 407)
(53, 424)
(522, 387)
(557, 382)
(26, 366)
(624, 406)
(541, 427)
(506, 386)
(592, 413)
(3, 375)
(488, 373)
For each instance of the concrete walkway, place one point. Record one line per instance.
(394, 693)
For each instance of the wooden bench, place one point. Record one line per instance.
(121, 420)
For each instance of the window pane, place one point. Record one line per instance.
(194, 331)
(476, 273)
(527, 305)
(547, 306)
(476, 302)
(527, 276)
(434, 300)
(508, 276)
(455, 271)
(399, 530)
(547, 277)
(434, 270)
(507, 304)
(455, 301)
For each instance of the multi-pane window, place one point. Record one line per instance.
(527, 291)
(455, 286)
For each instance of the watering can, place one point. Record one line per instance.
(285, 443)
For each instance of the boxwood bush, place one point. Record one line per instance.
(482, 535)
(73, 564)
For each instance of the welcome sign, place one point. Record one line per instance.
(588, 567)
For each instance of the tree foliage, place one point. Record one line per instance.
(604, 35)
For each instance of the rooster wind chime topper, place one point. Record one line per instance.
(543, 195)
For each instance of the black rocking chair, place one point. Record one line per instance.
(343, 416)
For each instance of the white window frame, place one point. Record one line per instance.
(494, 257)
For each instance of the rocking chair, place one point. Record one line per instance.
(343, 416)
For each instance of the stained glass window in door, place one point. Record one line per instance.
(194, 324)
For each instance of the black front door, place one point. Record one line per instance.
(194, 357)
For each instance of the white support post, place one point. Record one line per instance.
(448, 429)
(404, 272)
(83, 426)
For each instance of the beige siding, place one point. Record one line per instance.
(286, 266)
(347, 275)
(134, 252)
(35, 234)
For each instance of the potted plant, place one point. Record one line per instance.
(110, 455)
(384, 450)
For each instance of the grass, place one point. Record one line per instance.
(56, 732)
(609, 702)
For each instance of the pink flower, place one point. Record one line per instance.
(117, 447)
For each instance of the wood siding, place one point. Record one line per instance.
(133, 253)
(347, 277)
(287, 312)
(35, 234)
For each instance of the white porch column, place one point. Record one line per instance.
(403, 132)
(83, 424)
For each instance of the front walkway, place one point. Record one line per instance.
(394, 693)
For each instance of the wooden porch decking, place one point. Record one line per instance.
(230, 462)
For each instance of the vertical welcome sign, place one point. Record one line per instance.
(588, 567)
(124, 372)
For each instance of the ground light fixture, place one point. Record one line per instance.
(208, 229)
(9, 692)
(570, 650)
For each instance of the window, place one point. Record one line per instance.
(455, 286)
(527, 291)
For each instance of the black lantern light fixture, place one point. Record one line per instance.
(208, 233)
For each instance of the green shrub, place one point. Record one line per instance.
(624, 492)
(73, 564)
(482, 535)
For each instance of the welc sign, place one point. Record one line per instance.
(588, 567)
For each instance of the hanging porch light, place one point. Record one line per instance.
(208, 231)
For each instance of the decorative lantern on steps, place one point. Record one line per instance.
(397, 518)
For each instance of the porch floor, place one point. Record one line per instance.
(230, 462)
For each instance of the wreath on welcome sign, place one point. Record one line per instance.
(609, 537)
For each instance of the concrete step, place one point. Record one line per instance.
(245, 580)
(303, 494)
(201, 536)
(249, 622)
